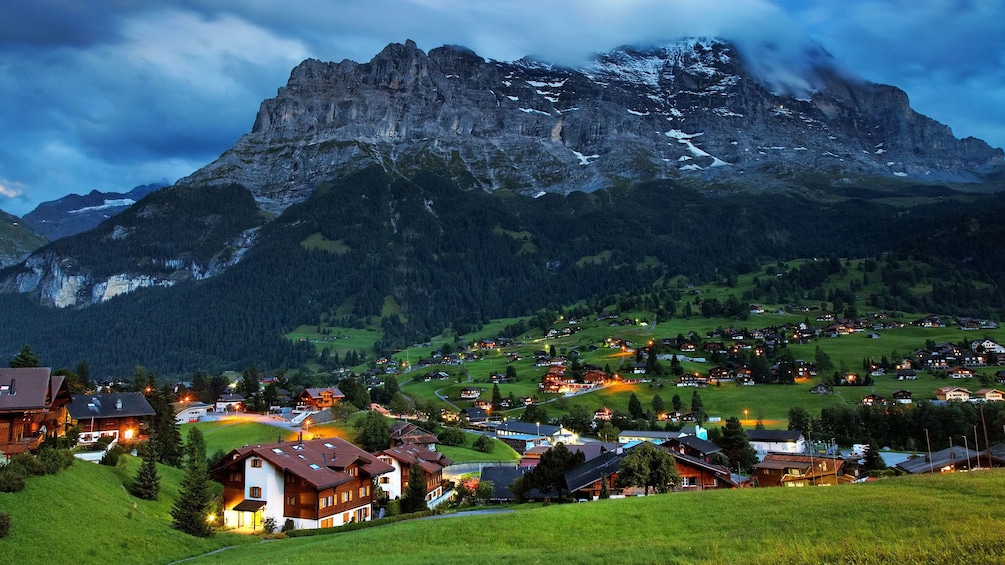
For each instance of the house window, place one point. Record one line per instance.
(235, 477)
(345, 518)
(689, 481)
(255, 492)
(347, 496)
(363, 491)
(256, 462)
(328, 523)
(326, 501)
(385, 480)
(292, 501)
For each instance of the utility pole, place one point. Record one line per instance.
(931, 466)
(987, 443)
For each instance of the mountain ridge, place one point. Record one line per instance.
(77, 213)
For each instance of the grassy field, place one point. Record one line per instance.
(468, 454)
(233, 433)
(84, 514)
(924, 519)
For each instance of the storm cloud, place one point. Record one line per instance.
(110, 94)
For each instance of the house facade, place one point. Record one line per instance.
(32, 406)
(953, 393)
(698, 474)
(317, 399)
(319, 483)
(121, 416)
(188, 412)
(230, 403)
(791, 470)
(405, 433)
(776, 441)
(401, 459)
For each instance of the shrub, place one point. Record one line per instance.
(483, 444)
(111, 457)
(4, 524)
(269, 525)
(54, 460)
(452, 436)
(11, 480)
(288, 525)
(32, 465)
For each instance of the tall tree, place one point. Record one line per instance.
(736, 444)
(25, 358)
(355, 393)
(635, 407)
(648, 466)
(549, 474)
(165, 437)
(697, 407)
(190, 512)
(147, 484)
(799, 419)
(414, 497)
(658, 406)
(372, 432)
(535, 414)
(496, 397)
(195, 446)
(677, 403)
(84, 374)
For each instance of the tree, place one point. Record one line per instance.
(25, 358)
(608, 432)
(873, 459)
(635, 407)
(604, 492)
(355, 393)
(697, 407)
(647, 466)
(483, 444)
(165, 437)
(535, 413)
(84, 375)
(677, 403)
(190, 512)
(496, 397)
(399, 404)
(549, 474)
(413, 499)
(736, 444)
(799, 419)
(147, 484)
(195, 446)
(658, 406)
(372, 432)
(578, 420)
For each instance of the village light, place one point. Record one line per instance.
(211, 518)
(128, 434)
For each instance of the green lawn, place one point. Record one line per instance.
(467, 453)
(84, 514)
(924, 519)
(233, 433)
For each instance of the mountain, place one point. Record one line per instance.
(692, 109)
(16, 240)
(73, 213)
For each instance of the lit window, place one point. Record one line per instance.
(385, 480)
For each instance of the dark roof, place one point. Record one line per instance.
(697, 444)
(29, 388)
(593, 449)
(581, 476)
(947, 456)
(114, 405)
(502, 478)
(722, 473)
(997, 452)
(475, 414)
(320, 462)
(528, 428)
(231, 398)
(316, 392)
(249, 505)
(774, 435)
(406, 432)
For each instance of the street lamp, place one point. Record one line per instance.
(745, 413)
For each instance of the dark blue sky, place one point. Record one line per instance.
(110, 94)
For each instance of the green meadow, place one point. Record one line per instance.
(921, 519)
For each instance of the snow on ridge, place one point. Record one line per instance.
(634, 113)
(533, 111)
(555, 84)
(117, 203)
(584, 160)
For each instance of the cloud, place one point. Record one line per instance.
(9, 189)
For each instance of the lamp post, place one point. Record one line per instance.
(745, 414)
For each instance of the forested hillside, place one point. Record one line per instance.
(416, 256)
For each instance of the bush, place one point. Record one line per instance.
(288, 525)
(4, 524)
(452, 436)
(54, 460)
(11, 480)
(269, 525)
(30, 464)
(111, 457)
(484, 444)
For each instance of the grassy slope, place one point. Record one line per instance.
(929, 519)
(84, 514)
(467, 453)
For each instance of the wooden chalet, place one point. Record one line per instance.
(698, 474)
(32, 407)
(401, 459)
(791, 470)
(319, 483)
(317, 399)
(121, 416)
(406, 433)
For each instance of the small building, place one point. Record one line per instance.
(32, 407)
(319, 483)
(955, 458)
(117, 415)
(470, 393)
(317, 399)
(822, 389)
(474, 415)
(656, 437)
(188, 412)
(776, 441)
(406, 433)
(698, 474)
(401, 459)
(952, 393)
(902, 396)
(554, 434)
(794, 470)
(874, 400)
(988, 395)
(230, 403)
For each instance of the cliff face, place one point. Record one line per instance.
(690, 108)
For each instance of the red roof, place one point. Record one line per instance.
(320, 462)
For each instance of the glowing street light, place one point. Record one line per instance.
(745, 414)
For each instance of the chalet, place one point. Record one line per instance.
(988, 395)
(698, 474)
(319, 483)
(987, 346)
(794, 470)
(585, 481)
(474, 415)
(692, 446)
(406, 434)
(902, 396)
(554, 434)
(874, 400)
(952, 393)
(776, 441)
(402, 459)
(230, 403)
(604, 414)
(688, 347)
(822, 389)
(117, 415)
(693, 379)
(1000, 377)
(907, 375)
(470, 393)
(317, 399)
(960, 373)
(485, 405)
(955, 458)
(32, 406)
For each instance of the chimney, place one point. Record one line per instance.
(10, 389)
(118, 404)
(300, 438)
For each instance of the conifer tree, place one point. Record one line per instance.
(190, 511)
(414, 497)
(148, 482)
(604, 492)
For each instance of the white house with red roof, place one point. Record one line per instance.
(402, 458)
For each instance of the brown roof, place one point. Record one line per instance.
(29, 388)
(430, 461)
(320, 462)
(316, 392)
(785, 461)
(406, 432)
